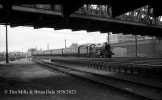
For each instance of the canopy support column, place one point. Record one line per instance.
(7, 60)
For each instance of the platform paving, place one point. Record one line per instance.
(20, 77)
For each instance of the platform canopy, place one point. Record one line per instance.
(137, 17)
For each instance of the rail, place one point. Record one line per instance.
(147, 70)
(147, 92)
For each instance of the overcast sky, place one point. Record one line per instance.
(22, 38)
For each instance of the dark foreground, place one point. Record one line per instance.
(24, 80)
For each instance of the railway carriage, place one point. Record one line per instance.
(56, 52)
(70, 52)
(47, 53)
(40, 53)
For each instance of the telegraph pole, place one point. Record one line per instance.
(7, 61)
(108, 38)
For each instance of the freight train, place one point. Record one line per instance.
(92, 50)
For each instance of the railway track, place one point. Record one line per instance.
(140, 91)
(149, 68)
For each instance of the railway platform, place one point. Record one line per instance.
(25, 80)
(127, 77)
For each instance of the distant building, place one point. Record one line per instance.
(74, 45)
(120, 38)
(32, 50)
(2, 55)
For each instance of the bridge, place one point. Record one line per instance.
(55, 73)
(133, 17)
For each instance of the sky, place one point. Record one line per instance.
(23, 38)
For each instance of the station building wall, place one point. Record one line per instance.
(145, 48)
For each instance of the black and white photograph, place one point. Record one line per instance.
(80, 50)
